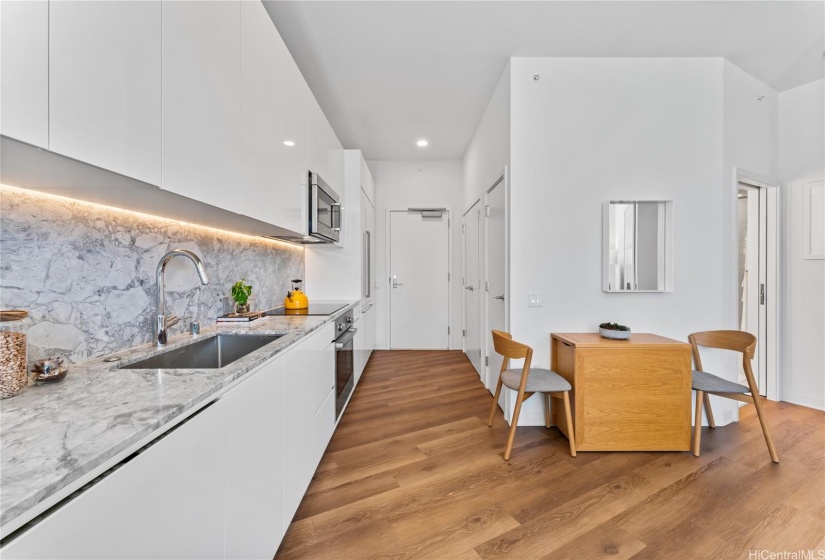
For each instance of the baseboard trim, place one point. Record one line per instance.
(804, 400)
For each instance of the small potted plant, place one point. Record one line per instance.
(614, 331)
(240, 293)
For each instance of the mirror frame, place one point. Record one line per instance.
(668, 268)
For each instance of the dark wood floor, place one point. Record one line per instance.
(413, 471)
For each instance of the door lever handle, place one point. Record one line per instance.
(469, 288)
(395, 282)
(499, 297)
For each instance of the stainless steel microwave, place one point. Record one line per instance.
(324, 211)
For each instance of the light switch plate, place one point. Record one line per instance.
(534, 299)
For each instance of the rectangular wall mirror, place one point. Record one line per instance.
(638, 246)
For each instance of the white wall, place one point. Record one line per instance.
(489, 150)
(591, 130)
(751, 140)
(802, 160)
(400, 185)
(750, 148)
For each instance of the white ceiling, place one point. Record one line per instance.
(388, 73)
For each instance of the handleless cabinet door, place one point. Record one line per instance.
(317, 147)
(360, 346)
(202, 101)
(254, 522)
(24, 80)
(294, 195)
(105, 85)
(371, 332)
(334, 154)
(166, 502)
(262, 85)
(367, 183)
(370, 224)
(309, 378)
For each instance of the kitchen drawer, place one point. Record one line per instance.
(317, 341)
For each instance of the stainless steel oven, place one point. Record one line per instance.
(324, 210)
(344, 361)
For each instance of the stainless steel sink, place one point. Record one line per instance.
(210, 353)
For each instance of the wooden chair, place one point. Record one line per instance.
(708, 384)
(526, 382)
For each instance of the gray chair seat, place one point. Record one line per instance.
(703, 381)
(538, 381)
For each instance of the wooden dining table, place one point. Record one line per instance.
(628, 395)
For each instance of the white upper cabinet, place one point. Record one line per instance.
(262, 94)
(334, 154)
(325, 152)
(105, 85)
(294, 196)
(367, 184)
(199, 97)
(24, 80)
(317, 146)
(202, 101)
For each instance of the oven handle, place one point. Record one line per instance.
(345, 339)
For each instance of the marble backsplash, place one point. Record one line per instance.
(86, 273)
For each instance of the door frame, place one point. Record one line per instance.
(490, 378)
(772, 284)
(478, 201)
(449, 211)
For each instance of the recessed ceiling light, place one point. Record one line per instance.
(421, 143)
(289, 143)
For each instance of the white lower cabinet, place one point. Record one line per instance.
(167, 502)
(223, 484)
(254, 522)
(359, 344)
(371, 323)
(309, 412)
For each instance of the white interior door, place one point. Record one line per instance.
(419, 282)
(755, 277)
(496, 274)
(472, 287)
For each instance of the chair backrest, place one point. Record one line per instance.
(509, 348)
(738, 341)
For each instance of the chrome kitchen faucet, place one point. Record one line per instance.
(162, 320)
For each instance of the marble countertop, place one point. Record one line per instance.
(56, 438)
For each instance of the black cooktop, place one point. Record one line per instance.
(313, 309)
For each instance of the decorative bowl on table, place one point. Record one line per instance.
(614, 331)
